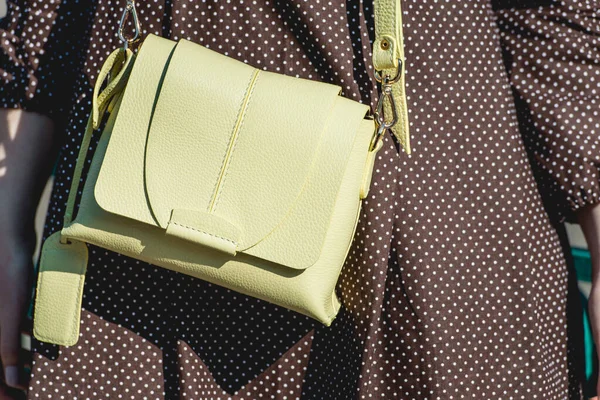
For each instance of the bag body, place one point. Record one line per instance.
(207, 166)
(250, 190)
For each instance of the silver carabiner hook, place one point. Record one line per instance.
(386, 93)
(129, 9)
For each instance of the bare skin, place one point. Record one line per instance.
(589, 219)
(26, 159)
(25, 162)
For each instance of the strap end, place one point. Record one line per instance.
(59, 291)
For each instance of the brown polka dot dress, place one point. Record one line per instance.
(458, 284)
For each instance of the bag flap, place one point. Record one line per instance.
(218, 152)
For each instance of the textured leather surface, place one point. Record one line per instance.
(270, 172)
(59, 291)
(205, 229)
(388, 31)
(254, 184)
(368, 172)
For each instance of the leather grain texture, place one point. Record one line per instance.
(388, 48)
(270, 172)
(205, 229)
(59, 291)
(244, 178)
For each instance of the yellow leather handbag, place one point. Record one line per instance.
(207, 166)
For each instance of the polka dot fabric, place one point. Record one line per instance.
(555, 74)
(457, 285)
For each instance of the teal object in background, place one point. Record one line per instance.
(589, 344)
(583, 266)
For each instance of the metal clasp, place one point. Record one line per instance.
(129, 10)
(386, 93)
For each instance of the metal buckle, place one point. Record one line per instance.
(386, 93)
(393, 80)
(129, 9)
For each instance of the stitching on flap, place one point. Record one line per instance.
(234, 136)
(206, 233)
(240, 124)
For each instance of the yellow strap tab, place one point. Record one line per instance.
(115, 68)
(59, 291)
(388, 49)
(205, 229)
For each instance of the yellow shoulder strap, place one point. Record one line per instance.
(63, 262)
(388, 59)
(115, 71)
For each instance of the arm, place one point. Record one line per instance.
(589, 219)
(26, 156)
(42, 52)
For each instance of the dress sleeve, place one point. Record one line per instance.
(552, 54)
(43, 44)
